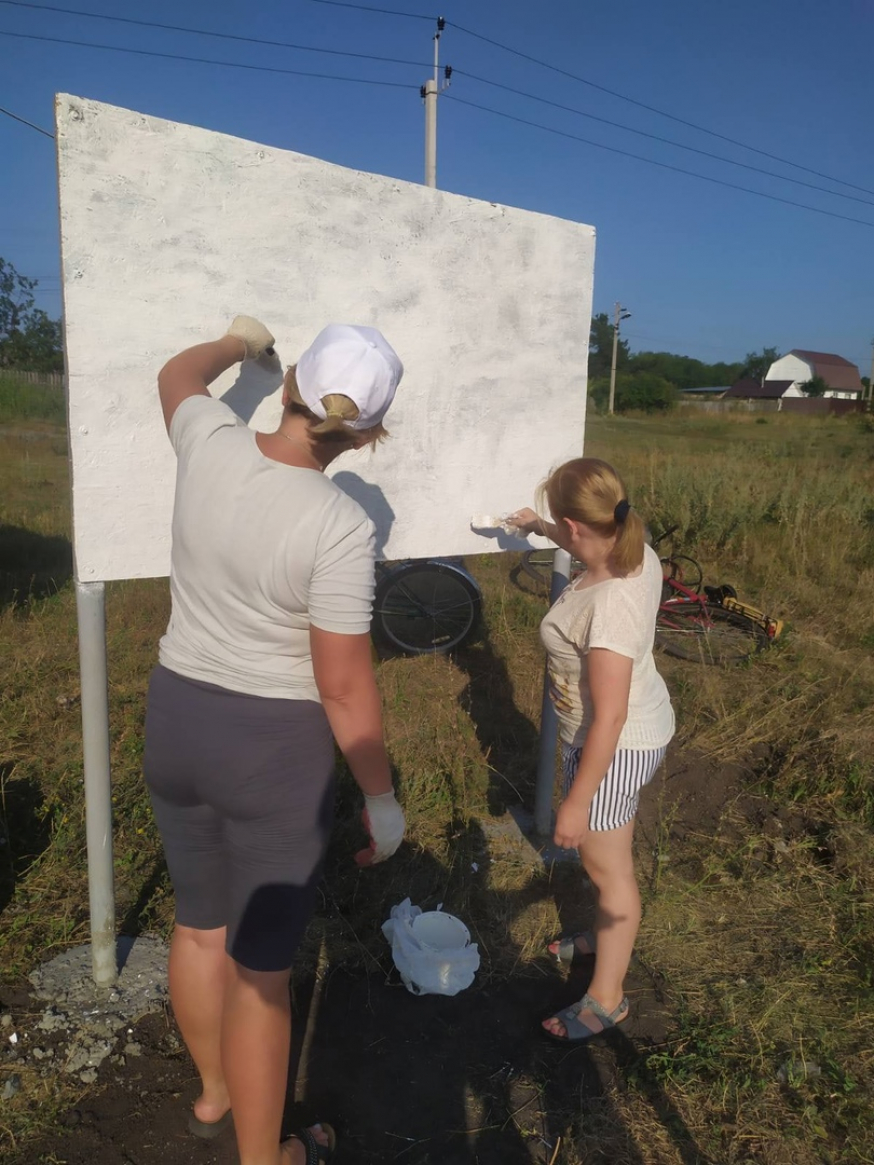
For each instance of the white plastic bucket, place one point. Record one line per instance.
(440, 931)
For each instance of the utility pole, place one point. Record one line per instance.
(870, 393)
(619, 314)
(430, 91)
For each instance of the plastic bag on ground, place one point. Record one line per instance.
(432, 950)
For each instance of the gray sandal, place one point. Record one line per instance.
(576, 1031)
(208, 1130)
(569, 954)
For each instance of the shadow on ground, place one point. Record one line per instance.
(25, 829)
(32, 566)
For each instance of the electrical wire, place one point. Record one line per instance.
(84, 44)
(657, 138)
(652, 108)
(24, 121)
(604, 89)
(661, 165)
(206, 32)
(384, 11)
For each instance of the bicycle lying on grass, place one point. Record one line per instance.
(713, 627)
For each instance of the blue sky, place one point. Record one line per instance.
(705, 270)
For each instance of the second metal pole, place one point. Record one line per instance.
(91, 610)
(561, 573)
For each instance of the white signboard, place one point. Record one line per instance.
(168, 231)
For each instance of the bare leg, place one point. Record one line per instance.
(197, 989)
(607, 859)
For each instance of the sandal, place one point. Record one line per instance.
(576, 1031)
(207, 1130)
(314, 1151)
(569, 953)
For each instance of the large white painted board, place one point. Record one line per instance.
(168, 231)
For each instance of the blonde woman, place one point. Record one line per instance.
(266, 659)
(614, 713)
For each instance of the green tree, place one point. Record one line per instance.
(816, 386)
(642, 391)
(756, 364)
(29, 339)
(601, 347)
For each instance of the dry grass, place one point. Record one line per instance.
(763, 950)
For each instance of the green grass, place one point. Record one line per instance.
(760, 937)
(39, 402)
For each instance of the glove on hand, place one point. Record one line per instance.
(253, 334)
(384, 821)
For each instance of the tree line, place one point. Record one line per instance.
(29, 339)
(651, 380)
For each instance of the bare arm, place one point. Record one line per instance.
(189, 373)
(527, 521)
(610, 685)
(347, 687)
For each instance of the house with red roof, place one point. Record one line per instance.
(800, 365)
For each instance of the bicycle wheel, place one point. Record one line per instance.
(423, 607)
(684, 569)
(707, 633)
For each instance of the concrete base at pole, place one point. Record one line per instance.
(87, 1024)
(515, 832)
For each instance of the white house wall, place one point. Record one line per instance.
(790, 368)
(169, 230)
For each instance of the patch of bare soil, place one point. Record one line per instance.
(420, 1081)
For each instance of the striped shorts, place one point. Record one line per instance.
(617, 797)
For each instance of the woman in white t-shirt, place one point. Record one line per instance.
(614, 713)
(266, 658)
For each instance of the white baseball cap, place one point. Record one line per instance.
(356, 361)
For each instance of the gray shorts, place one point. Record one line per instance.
(242, 789)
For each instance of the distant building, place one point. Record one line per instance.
(799, 366)
(708, 393)
(748, 388)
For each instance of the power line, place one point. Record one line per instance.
(24, 121)
(206, 32)
(84, 44)
(652, 108)
(603, 89)
(657, 138)
(661, 165)
(418, 64)
(384, 11)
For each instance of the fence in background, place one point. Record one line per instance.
(47, 379)
(812, 406)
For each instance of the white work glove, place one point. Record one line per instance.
(384, 821)
(254, 335)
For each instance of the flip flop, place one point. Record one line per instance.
(207, 1130)
(577, 1031)
(314, 1151)
(568, 953)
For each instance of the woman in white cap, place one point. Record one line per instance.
(266, 659)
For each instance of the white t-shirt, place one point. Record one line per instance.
(261, 552)
(618, 614)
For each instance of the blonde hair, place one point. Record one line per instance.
(589, 490)
(339, 410)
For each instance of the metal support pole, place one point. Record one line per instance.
(91, 610)
(561, 573)
(431, 134)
